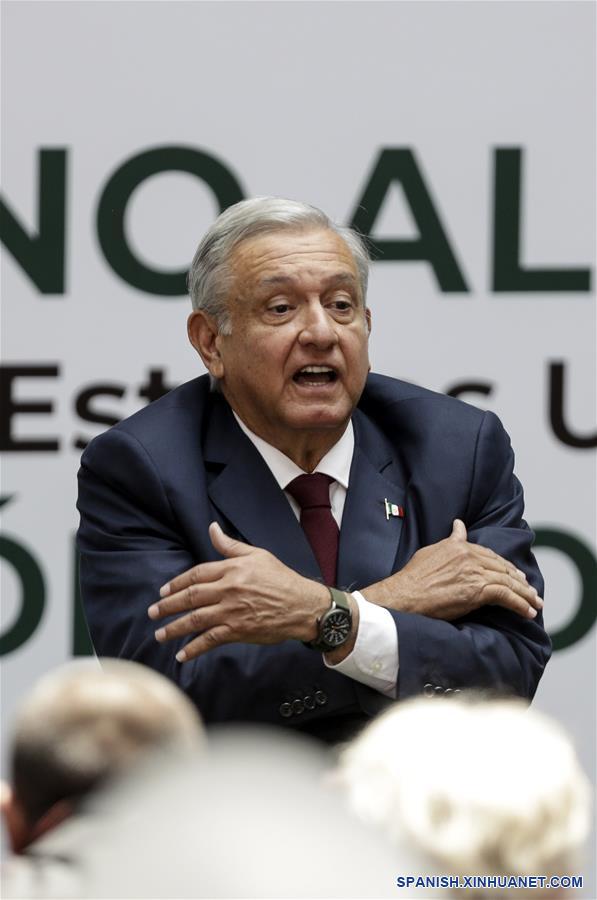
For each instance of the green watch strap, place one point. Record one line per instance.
(338, 599)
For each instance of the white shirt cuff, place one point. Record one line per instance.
(374, 658)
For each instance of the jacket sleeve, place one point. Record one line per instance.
(493, 649)
(130, 543)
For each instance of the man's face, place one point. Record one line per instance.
(295, 304)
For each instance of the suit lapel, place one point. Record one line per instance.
(368, 539)
(244, 490)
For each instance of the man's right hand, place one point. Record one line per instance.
(452, 578)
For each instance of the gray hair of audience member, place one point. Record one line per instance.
(478, 787)
(210, 276)
(82, 724)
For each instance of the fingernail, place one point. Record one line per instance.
(521, 573)
(160, 634)
(539, 602)
(153, 611)
(164, 590)
(532, 612)
(181, 656)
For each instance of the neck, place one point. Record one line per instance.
(307, 450)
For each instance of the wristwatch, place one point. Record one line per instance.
(334, 625)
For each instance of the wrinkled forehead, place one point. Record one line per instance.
(317, 256)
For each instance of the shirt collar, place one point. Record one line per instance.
(336, 463)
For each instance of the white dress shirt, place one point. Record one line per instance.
(374, 658)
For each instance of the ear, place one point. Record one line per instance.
(368, 321)
(15, 822)
(205, 338)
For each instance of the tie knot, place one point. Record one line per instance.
(311, 491)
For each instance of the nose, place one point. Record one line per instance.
(318, 328)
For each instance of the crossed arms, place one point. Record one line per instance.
(466, 615)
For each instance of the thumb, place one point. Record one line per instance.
(225, 545)
(459, 530)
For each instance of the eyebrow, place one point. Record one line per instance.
(337, 279)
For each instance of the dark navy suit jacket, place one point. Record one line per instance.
(150, 486)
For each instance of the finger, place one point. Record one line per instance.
(498, 563)
(209, 571)
(190, 597)
(459, 530)
(195, 622)
(500, 595)
(522, 589)
(225, 545)
(215, 637)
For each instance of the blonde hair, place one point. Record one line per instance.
(478, 787)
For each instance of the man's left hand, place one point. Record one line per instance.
(249, 596)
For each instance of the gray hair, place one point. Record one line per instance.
(81, 725)
(209, 279)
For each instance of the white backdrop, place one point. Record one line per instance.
(300, 99)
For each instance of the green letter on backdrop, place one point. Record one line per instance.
(582, 557)
(116, 195)
(432, 245)
(33, 592)
(41, 255)
(509, 275)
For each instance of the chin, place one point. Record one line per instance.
(321, 420)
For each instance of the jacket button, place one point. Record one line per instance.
(321, 698)
(448, 691)
(309, 701)
(437, 690)
(428, 690)
(298, 707)
(285, 710)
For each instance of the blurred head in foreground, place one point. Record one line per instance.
(79, 727)
(488, 788)
(252, 817)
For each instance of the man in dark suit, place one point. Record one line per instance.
(324, 540)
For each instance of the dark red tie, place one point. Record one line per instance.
(312, 493)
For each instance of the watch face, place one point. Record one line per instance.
(336, 627)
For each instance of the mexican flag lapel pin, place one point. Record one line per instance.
(392, 509)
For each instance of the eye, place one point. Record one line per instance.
(280, 308)
(341, 304)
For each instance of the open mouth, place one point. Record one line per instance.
(315, 375)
